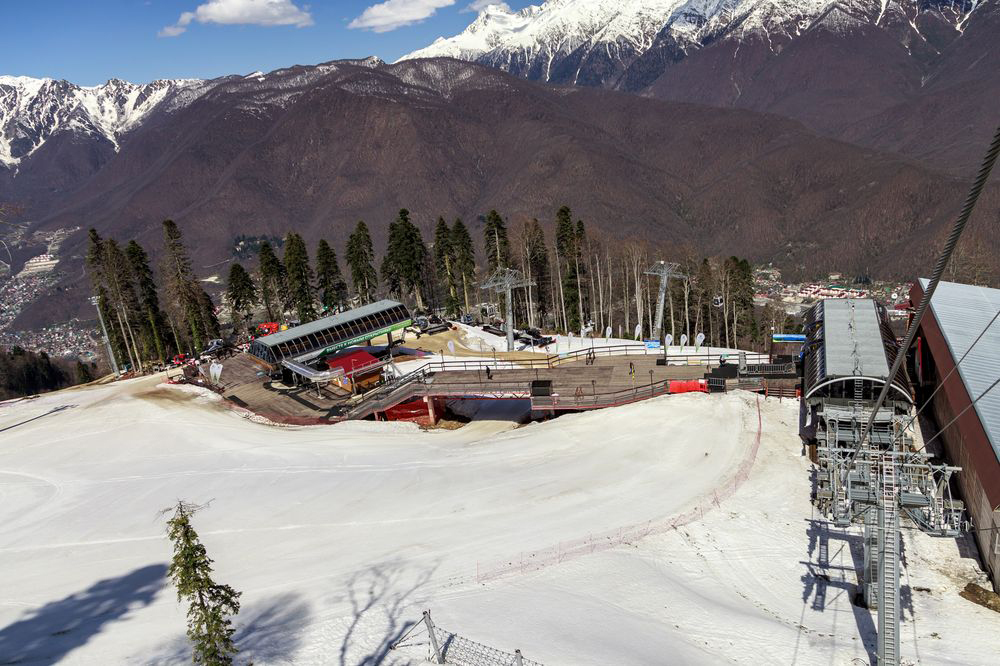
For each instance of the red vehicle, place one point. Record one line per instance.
(267, 328)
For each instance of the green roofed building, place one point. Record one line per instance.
(329, 334)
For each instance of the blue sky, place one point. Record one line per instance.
(89, 41)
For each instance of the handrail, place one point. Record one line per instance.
(386, 396)
(555, 360)
(315, 376)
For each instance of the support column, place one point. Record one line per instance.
(435, 649)
(658, 327)
(510, 319)
(869, 589)
(431, 412)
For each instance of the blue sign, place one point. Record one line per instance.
(652, 344)
(788, 337)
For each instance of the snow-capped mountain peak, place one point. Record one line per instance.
(595, 42)
(33, 110)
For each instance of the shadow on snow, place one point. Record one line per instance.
(49, 633)
(266, 632)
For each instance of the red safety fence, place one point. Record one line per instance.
(688, 386)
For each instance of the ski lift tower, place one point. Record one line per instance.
(665, 271)
(507, 280)
(877, 480)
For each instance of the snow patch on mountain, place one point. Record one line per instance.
(533, 40)
(33, 110)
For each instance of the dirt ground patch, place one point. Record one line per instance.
(982, 596)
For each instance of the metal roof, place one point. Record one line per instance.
(327, 322)
(962, 312)
(852, 339)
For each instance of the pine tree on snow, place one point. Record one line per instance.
(210, 605)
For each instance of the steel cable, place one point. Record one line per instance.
(949, 247)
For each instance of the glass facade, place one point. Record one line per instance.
(338, 334)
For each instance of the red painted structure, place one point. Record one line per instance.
(966, 442)
(351, 361)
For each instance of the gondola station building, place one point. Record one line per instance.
(965, 399)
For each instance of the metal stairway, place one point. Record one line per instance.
(888, 607)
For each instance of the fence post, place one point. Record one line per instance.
(439, 658)
(517, 658)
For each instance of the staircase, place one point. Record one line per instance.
(888, 608)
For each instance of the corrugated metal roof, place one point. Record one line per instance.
(962, 312)
(852, 339)
(327, 322)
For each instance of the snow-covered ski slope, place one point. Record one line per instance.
(339, 536)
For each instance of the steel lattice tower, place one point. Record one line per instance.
(665, 271)
(507, 280)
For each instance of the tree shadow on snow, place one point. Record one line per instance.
(381, 599)
(54, 410)
(267, 632)
(48, 634)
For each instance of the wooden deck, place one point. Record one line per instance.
(244, 384)
(606, 375)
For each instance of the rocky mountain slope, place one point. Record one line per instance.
(317, 148)
(837, 65)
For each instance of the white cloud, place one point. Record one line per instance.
(392, 14)
(242, 12)
(479, 5)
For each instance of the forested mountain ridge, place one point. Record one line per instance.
(315, 149)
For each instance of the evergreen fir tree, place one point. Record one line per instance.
(149, 301)
(241, 293)
(536, 259)
(181, 284)
(390, 262)
(272, 283)
(497, 246)
(210, 605)
(361, 261)
(332, 288)
(464, 255)
(95, 261)
(444, 266)
(299, 276)
(82, 373)
(567, 247)
(403, 268)
(207, 318)
(118, 277)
